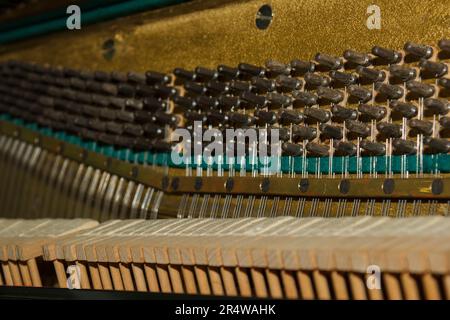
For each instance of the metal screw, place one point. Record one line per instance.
(264, 17)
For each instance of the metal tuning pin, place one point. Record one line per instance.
(227, 73)
(229, 102)
(343, 78)
(373, 148)
(388, 55)
(328, 61)
(372, 112)
(216, 87)
(418, 50)
(207, 103)
(184, 75)
(286, 84)
(266, 117)
(421, 126)
(444, 82)
(300, 133)
(345, 148)
(251, 70)
(358, 58)
(183, 102)
(317, 114)
(277, 100)
(389, 90)
(204, 74)
(257, 101)
(406, 109)
(289, 116)
(134, 77)
(422, 89)
(316, 80)
(389, 130)
(435, 69)
(316, 149)
(370, 74)
(342, 113)
(304, 98)
(275, 68)
(437, 106)
(241, 119)
(445, 122)
(331, 131)
(153, 77)
(357, 128)
(299, 67)
(194, 87)
(360, 93)
(291, 149)
(261, 85)
(437, 145)
(237, 87)
(330, 95)
(216, 118)
(444, 45)
(402, 73)
(404, 146)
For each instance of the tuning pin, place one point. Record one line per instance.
(134, 104)
(238, 87)
(316, 80)
(361, 93)
(251, 70)
(216, 118)
(388, 55)
(444, 82)
(317, 114)
(241, 119)
(438, 145)
(275, 68)
(305, 98)
(204, 74)
(372, 111)
(135, 77)
(108, 114)
(165, 92)
(345, 148)
(317, 149)
(444, 45)
(291, 149)
(283, 133)
(114, 127)
(362, 59)
(216, 87)
(266, 117)
(206, 103)
(126, 90)
(153, 130)
(404, 146)
(285, 83)
(166, 118)
(407, 110)
(126, 116)
(184, 75)
(373, 148)
(277, 100)
(358, 128)
(389, 90)
(299, 67)
(418, 50)
(288, 116)
(445, 122)
(261, 85)
(420, 88)
(331, 132)
(195, 116)
(328, 61)
(258, 101)
(403, 73)
(342, 77)
(421, 126)
(153, 77)
(184, 102)
(300, 133)
(330, 95)
(133, 129)
(227, 73)
(229, 102)
(343, 113)
(436, 69)
(437, 106)
(194, 87)
(389, 130)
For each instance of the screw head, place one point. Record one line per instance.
(198, 183)
(388, 186)
(344, 186)
(437, 186)
(264, 17)
(175, 183)
(264, 185)
(229, 184)
(303, 185)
